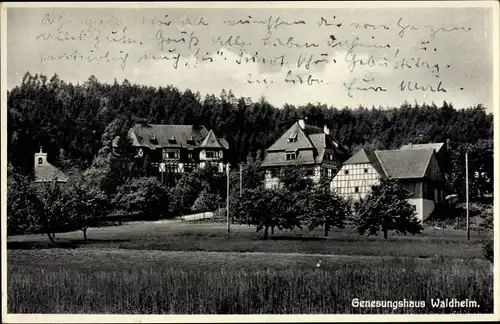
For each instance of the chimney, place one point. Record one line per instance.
(447, 144)
(302, 123)
(326, 130)
(411, 145)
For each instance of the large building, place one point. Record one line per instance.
(416, 169)
(179, 148)
(310, 147)
(46, 172)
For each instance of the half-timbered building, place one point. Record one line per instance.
(179, 148)
(416, 169)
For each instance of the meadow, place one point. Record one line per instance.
(198, 268)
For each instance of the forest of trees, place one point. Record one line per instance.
(76, 123)
(73, 122)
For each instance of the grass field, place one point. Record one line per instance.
(185, 268)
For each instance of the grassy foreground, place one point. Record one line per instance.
(149, 274)
(159, 282)
(176, 236)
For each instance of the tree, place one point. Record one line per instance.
(267, 209)
(21, 200)
(146, 196)
(325, 208)
(50, 207)
(296, 177)
(206, 201)
(386, 208)
(86, 204)
(184, 194)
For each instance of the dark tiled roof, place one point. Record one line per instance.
(405, 164)
(307, 139)
(435, 146)
(301, 142)
(48, 172)
(157, 135)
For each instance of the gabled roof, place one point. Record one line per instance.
(159, 135)
(211, 141)
(366, 156)
(48, 172)
(435, 146)
(405, 164)
(361, 156)
(308, 139)
(301, 140)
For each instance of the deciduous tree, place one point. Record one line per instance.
(386, 208)
(146, 196)
(325, 208)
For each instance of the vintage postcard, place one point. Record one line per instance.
(249, 162)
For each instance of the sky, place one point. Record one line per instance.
(368, 56)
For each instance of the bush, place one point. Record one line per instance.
(488, 250)
(144, 195)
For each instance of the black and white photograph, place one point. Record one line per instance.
(270, 161)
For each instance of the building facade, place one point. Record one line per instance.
(417, 170)
(178, 148)
(310, 147)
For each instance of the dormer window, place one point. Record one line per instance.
(291, 156)
(293, 137)
(40, 161)
(171, 139)
(190, 139)
(153, 140)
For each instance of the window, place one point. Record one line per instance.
(210, 154)
(329, 172)
(190, 155)
(309, 172)
(171, 155)
(346, 172)
(40, 160)
(274, 173)
(172, 168)
(290, 156)
(366, 170)
(356, 189)
(189, 167)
